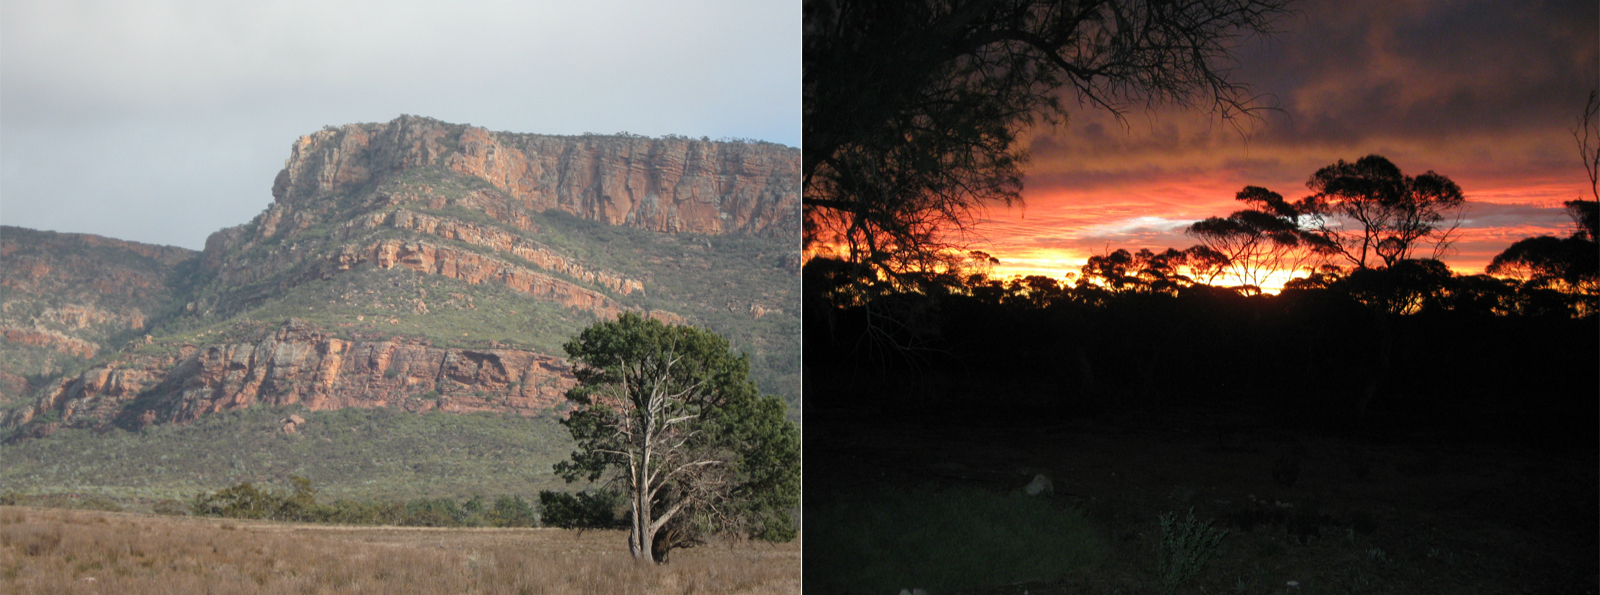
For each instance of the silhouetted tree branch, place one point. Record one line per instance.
(913, 107)
(1587, 134)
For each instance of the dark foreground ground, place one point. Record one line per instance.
(1381, 508)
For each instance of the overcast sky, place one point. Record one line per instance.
(163, 121)
(1482, 92)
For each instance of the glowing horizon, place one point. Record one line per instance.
(1056, 243)
(1403, 79)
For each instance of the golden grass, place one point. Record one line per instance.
(76, 551)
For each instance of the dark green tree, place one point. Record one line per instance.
(669, 415)
(583, 510)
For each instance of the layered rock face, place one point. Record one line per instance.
(68, 297)
(665, 185)
(300, 363)
(355, 176)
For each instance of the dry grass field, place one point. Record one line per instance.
(75, 551)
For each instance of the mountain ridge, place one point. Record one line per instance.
(418, 242)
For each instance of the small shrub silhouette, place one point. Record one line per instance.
(1185, 547)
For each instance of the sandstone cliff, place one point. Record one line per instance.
(365, 178)
(299, 363)
(665, 185)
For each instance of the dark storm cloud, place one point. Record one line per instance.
(1436, 71)
(164, 121)
(1357, 76)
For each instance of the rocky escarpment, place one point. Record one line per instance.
(498, 240)
(665, 185)
(69, 297)
(421, 265)
(299, 363)
(365, 177)
(354, 245)
(430, 258)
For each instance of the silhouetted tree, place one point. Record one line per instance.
(1261, 240)
(1586, 215)
(1587, 134)
(1552, 269)
(1406, 287)
(1568, 266)
(1483, 295)
(1206, 264)
(1548, 266)
(1138, 272)
(1114, 271)
(912, 107)
(1037, 291)
(1322, 277)
(1391, 211)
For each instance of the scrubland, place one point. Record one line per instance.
(78, 551)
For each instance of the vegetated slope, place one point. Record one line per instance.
(364, 454)
(67, 298)
(423, 265)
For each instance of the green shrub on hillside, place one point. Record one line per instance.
(245, 501)
(512, 511)
(358, 454)
(583, 510)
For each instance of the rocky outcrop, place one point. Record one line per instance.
(80, 272)
(666, 185)
(427, 257)
(495, 239)
(48, 339)
(300, 363)
(69, 297)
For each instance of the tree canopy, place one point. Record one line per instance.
(1392, 213)
(668, 413)
(1256, 242)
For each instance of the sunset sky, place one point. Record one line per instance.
(1485, 93)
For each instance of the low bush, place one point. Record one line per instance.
(512, 511)
(583, 510)
(172, 508)
(246, 501)
(1185, 546)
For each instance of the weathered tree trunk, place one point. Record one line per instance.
(665, 540)
(641, 537)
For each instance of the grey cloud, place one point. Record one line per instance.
(1475, 85)
(113, 110)
(1429, 69)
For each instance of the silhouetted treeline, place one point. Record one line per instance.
(1410, 344)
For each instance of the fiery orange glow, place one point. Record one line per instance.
(1060, 228)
